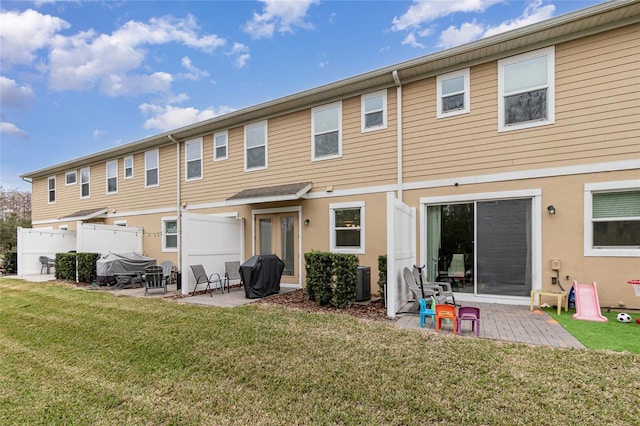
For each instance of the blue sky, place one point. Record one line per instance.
(78, 77)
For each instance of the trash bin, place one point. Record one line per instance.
(178, 280)
(363, 284)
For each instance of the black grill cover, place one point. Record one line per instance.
(261, 275)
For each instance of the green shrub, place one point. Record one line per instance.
(65, 266)
(10, 262)
(382, 274)
(87, 266)
(331, 278)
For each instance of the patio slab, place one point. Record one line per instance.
(513, 323)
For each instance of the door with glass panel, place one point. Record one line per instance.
(278, 234)
(481, 247)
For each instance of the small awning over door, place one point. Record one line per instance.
(268, 194)
(87, 214)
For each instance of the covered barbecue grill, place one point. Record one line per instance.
(112, 264)
(261, 275)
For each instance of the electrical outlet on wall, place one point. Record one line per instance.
(554, 280)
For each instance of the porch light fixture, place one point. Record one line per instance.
(551, 209)
(307, 222)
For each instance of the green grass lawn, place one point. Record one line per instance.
(612, 335)
(70, 356)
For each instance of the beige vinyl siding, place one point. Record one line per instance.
(368, 159)
(590, 126)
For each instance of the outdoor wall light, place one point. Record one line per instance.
(307, 222)
(551, 209)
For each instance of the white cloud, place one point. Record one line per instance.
(534, 12)
(410, 40)
(86, 60)
(283, 15)
(24, 33)
(97, 133)
(241, 53)
(13, 95)
(424, 12)
(168, 117)
(194, 73)
(11, 129)
(467, 32)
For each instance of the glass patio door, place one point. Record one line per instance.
(278, 234)
(481, 247)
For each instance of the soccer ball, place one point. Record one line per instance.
(623, 317)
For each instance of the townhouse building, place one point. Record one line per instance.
(517, 158)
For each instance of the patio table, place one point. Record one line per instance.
(561, 295)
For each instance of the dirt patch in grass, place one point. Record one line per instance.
(371, 310)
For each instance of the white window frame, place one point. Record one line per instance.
(549, 52)
(128, 158)
(332, 227)
(589, 190)
(73, 173)
(111, 175)
(187, 160)
(147, 168)
(50, 190)
(364, 112)
(225, 135)
(247, 127)
(441, 79)
(165, 234)
(338, 107)
(83, 183)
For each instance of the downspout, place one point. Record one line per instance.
(178, 210)
(396, 79)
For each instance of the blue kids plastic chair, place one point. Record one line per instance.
(424, 312)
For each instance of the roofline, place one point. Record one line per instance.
(606, 16)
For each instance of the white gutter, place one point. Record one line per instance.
(178, 211)
(396, 79)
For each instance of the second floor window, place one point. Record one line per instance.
(193, 159)
(453, 93)
(326, 128)
(52, 189)
(374, 111)
(255, 144)
(112, 177)
(71, 178)
(151, 177)
(220, 145)
(85, 179)
(128, 167)
(526, 86)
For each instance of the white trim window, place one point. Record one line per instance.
(255, 146)
(526, 90)
(169, 234)
(612, 219)
(346, 224)
(128, 166)
(374, 111)
(220, 145)
(112, 177)
(454, 93)
(326, 131)
(70, 178)
(51, 185)
(193, 159)
(151, 169)
(85, 181)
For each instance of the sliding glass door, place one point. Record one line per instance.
(481, 247)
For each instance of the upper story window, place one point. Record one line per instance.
(193, 159)
(85, 180)
(151, 168)
(112, 177)
(255, 146)
(326, 129)
(169, 234)
(71, 178)
(128, 167)
(374, 111)
(526, 90)
(454, 93)
(52, 189)
(220, 145)
(612, 219)
(347, 227)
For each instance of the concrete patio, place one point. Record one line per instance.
(513, 323)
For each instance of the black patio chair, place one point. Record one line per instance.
(202, 278)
